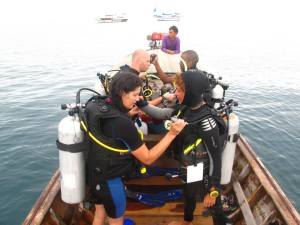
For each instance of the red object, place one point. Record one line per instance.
(156, 36)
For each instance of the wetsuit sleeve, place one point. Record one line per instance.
(127, 133)
(158, 113)
(210, 135)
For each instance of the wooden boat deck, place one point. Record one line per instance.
(260, 199)
(141, 214)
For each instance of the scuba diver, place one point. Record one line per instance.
(198, 147)
(140, 62)
(107, 163)
(189, 61)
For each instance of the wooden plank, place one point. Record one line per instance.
(249, 218)
(285, 207)
(174, 208)
(55, 217)
(171, 211)
(63, 210)
(88, 216)
(76, 218)
(256, 196)
(49, 220)
(165, 220)
(251, 201)
(244, 173)
(42, 205)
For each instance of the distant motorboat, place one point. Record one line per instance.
(169, 17)
(166, 15)
(113, 18)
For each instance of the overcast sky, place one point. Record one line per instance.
(261, 19)
(276, 12)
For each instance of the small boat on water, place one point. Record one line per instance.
(258, 198)
(166, 15)
(112, 18)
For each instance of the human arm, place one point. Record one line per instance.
(177, 46)
(156, 101)
(157, 113)
(212, 143)
(164, 77)
(134, 111)
(210, 136)
(164, 44)
(166, 96)
(147, 156)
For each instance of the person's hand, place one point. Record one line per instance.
(209, 201)
(176, 127)
(142, 75)
(153, 59)
(134, 111)
(169, 96)
(170, 52)
(141, 103)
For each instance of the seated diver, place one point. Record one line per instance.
(197, 147)
(189, 62)
(115, 144)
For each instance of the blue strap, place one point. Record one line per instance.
(156, 199)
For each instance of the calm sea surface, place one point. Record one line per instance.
(43, 64)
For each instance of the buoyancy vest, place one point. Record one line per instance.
(188, 147)
(108, 157)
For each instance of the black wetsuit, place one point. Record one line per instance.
(207, 129)
(110, 191)
(129, 69)
(209, 152)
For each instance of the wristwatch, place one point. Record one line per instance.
(214, 193)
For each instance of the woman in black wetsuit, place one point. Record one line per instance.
(110, 124)
(197, 147)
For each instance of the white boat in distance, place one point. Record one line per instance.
(166, 15)
(113, 18)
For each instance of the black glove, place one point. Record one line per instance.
(141, 103)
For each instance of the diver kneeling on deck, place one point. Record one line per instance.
(197, 147)
(115, 143)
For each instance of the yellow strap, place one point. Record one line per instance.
(100, 143)
(189, 148)
(141, 134)
(179, 112)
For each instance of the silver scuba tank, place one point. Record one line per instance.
(71, 159)
(217, 94)
(229, 150)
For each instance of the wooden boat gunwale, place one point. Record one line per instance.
(43, 204)
(268, 182)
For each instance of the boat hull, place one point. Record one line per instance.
(261, 200)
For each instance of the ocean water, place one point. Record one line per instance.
(45, 59)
